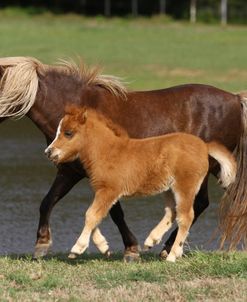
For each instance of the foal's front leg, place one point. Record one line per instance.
(103, 201)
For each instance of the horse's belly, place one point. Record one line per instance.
(154, 186)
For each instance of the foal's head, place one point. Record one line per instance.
(69, 137)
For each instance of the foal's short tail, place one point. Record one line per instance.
(228, 164)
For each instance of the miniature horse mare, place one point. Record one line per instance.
(119, 166)
(41, 92)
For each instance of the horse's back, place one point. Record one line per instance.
(202, 110)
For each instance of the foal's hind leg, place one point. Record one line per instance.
(200, 204)
(164, 225)
(103, 201)
(184, 192)
(184, 219)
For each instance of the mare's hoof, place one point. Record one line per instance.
(41, 250)
(72, 256)
(131, 257)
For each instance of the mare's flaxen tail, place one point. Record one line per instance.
(233, 208)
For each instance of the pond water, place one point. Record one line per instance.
(26, 176)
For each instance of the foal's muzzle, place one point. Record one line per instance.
(48, 152)
(53, 154)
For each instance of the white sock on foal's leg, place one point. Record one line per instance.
(164, 225)
(100, 241)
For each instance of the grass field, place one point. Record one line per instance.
(149, 54)
(197, 277)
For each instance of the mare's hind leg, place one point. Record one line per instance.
(164, 225)
(200, 204)
(103, 201)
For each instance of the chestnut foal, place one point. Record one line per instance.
(119, 166)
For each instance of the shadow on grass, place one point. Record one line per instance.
(61, 257)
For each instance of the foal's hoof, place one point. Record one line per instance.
(72, 255)
(146, 248)
(108, 254)
(171, 258)
(41, 250)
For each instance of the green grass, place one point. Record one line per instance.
(149, 53)
(197, 277)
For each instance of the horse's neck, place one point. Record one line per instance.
(100, 142)
(41, 119)
(52, 97)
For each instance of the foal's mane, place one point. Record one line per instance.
(116, 129)
(20, 76)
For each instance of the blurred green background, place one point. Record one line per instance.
(149, 52)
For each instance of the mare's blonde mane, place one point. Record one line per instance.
(18, 85)
(20, 82)
(91, 76)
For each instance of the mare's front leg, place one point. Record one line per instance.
(65, 179)
(103, 201)
(200, 204)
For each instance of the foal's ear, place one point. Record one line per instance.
(82, 115)
(71, 109)
(78, 113)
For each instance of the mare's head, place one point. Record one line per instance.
(69, 137)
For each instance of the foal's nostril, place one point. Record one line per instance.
(48, 152)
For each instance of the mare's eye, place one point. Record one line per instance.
(68, 133)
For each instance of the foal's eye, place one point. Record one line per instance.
(68, 133)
